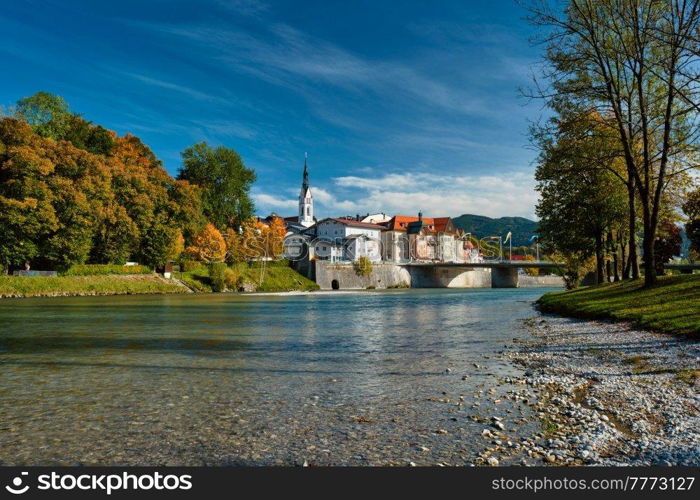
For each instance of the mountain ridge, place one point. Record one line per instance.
(482, 226)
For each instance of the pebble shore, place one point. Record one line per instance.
(605, 394)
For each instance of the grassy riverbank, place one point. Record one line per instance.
(672, 305)
(62, 286)
(258, 276)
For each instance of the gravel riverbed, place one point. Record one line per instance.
(605, 394)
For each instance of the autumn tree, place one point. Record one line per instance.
(637, 63)
(251, 242)
(276, 233)
(209, 246)
(234, 246)
(225, 182)
(71, 192)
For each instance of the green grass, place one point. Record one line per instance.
(671, 306)
(104, 269)
(689, 376)
(277, 277)
(40, 286)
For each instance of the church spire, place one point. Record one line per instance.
(305, 184)
(306, 201)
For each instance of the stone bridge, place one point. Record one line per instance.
(504, 273)
(683, 268)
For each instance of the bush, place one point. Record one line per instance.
(217, 275)
(232, 279)
(403, 284)
(187, 266)
(362, 266)
(102, 269)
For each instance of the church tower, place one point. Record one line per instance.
(306, 201)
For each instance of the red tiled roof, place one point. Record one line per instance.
(441, 224)
(401, 222)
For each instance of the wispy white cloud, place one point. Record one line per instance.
(271, 202)
(164, 84)
(434, 194)
(290, 58)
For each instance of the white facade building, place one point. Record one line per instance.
(347, 239)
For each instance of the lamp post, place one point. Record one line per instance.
(537, 246)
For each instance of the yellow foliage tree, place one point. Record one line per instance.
(531, 271)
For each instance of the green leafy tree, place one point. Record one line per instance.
(48, 114)
(158, 242)
(225, 182)
(84, 135)
(116, 236)
(579, 201)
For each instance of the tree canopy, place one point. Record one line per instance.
(73, 192)
(225, 182)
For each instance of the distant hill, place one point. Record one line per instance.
(482, 226)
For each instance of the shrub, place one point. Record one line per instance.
(531, 271)
(189, 265)
(102, 269)
(217, 274)
(232, 279)
(403, 284)
(362, 266)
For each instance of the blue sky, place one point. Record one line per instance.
(401, 105)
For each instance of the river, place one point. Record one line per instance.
(369, 378)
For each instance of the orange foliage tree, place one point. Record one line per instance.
(209, 246)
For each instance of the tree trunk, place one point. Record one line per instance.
(611, 250)
(648, 249)
(624, 264)
(599, 256)
(633, 261)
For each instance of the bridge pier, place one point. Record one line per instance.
(504, 277)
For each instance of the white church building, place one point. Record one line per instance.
(335, 239)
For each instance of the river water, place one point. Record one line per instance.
(370, 378)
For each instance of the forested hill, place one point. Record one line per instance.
(482, 226)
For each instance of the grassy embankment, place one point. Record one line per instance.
(671, 306)
(60, 286)
(276, 277)
(119, 280)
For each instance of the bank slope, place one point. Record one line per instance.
(63, 286)
(276, 277)
(672, 305)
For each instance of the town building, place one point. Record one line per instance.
(410, 238)
(347, 239)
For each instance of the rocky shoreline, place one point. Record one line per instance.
(605, 394)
